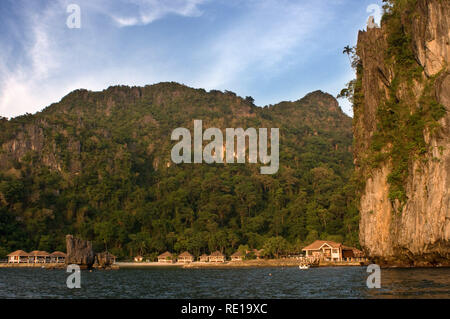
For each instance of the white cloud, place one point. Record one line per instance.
(43, 60)
(22, 87)
(143, 12)
(51, 66)
(267, 40)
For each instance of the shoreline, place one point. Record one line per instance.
(262, 263)
(266, 263)
(26, 265)
(52, 266)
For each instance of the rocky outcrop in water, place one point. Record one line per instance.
(408, 225)
(103, 260)
(79, 252)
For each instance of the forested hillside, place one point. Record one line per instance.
(97, 165)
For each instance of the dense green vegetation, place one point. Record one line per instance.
(97, 165)
(399, 123)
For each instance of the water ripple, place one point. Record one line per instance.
(339, 282)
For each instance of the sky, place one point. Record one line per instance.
(272, 50)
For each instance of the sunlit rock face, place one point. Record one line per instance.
(416, 232)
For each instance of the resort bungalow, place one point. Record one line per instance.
(36, 257)
(258, 253)
(204, 258)
(138, 259)
(352, 254)
(17, 257)
(58, 257)
(39, 257)
(237, 256)
(217, 256)
(166, 258)
(330, 251)
(324, 250)
(185, 257)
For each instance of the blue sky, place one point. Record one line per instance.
(272, 50)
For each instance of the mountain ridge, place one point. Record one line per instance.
(97, 165)
(138, 91)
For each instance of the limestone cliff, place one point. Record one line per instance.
(79, 252)
(402, 135)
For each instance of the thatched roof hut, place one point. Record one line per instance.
(20, 253)
(58, 257)
(185, 257)
(217, 256)
(18, 256)
(237, 256)
(39, 256)
(165, 257)
(58, 254)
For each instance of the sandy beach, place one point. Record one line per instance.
(260, 263)
(233, 264)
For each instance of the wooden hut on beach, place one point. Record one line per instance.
(324, 250)
(40, 257)
(166, 257)
(352, 254)
(330, 251)
(18, 257)
(204, 258)
(257, 253)
(36, 257)
(185, 258)
(58, 257)
(217, 256)
(237, 256)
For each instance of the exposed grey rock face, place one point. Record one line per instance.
(79, 252)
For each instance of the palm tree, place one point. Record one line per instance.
(348, 50)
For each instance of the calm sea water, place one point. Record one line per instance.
(346, 282)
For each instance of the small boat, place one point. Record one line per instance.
(303, 266)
